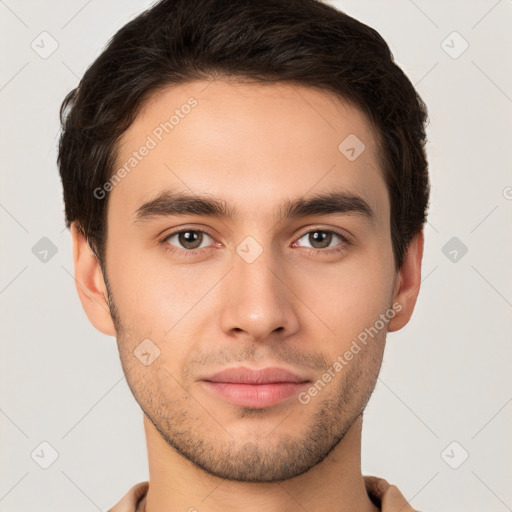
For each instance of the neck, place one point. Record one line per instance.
(336, 483)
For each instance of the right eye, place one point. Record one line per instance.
(190, 241)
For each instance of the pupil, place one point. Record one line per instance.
(324, 238)
(189, 238)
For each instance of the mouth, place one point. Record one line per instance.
(257, 389)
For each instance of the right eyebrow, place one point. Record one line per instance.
(169, 203)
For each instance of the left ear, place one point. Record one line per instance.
(407, 283)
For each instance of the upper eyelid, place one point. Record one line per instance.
(184, 230)
(328, 230)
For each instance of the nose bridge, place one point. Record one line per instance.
(256, 269)
(258, 300)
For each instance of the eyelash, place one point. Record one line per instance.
(345, 242)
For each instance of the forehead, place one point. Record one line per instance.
(252, 145)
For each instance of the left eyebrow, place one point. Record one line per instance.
(328, 204)
(168, 203)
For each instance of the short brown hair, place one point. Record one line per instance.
(303, 42)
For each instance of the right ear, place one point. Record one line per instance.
(90, 283)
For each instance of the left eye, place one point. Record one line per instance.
(321, 238)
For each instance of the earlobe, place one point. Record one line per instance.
(407, 283)
(90, 283)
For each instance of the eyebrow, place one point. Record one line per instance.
(168, 203)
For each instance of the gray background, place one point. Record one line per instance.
(446, 376)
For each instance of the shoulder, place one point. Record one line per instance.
(386, 496)
(129, 502)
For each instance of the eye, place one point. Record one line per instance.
(187, 240)
(321, 240)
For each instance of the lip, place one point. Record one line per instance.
(258, 389)
(244, 375)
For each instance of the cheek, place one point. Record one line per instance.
(158, 299)
(348, 298)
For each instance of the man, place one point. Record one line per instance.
(246, 187)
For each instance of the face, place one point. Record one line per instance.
(292, 275)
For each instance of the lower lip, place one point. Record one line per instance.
(257, 396)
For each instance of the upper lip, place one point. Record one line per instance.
(243, 375)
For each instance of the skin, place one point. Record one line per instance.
(253, 146)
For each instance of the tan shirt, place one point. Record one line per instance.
(387, 497)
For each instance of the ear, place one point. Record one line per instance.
(407, 283)
(90, 283)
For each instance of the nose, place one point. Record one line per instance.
(258, 299)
